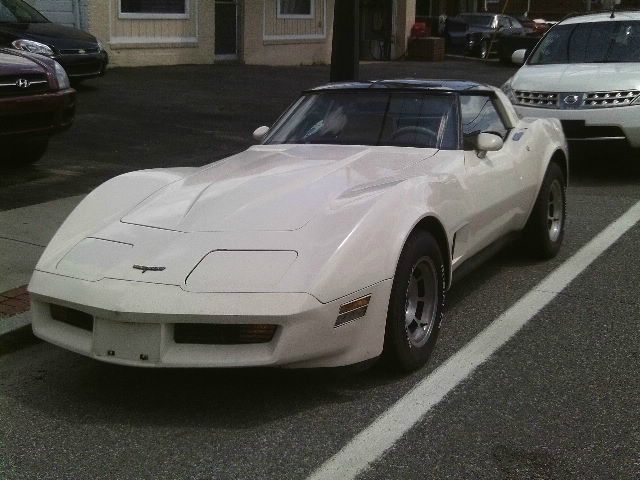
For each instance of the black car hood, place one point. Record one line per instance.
(53, 34)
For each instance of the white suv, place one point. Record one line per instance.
(586, 72)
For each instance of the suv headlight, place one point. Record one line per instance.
(32, 47)
(100, 45)
(61, 77)
(508, 91)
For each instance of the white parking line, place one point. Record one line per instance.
(375, 440)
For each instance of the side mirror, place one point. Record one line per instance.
(260, 132)
(488, 142)
(519, 56)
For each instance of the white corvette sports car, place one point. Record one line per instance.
(331, 241)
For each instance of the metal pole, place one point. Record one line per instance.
(345, 48)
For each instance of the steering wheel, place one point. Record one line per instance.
(413, 133)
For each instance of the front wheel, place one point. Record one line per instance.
(416, 304)
(544, 231)
(483, 51)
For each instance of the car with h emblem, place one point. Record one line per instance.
(330, 242)
(36, 101)
(586, 72)
(24, 28)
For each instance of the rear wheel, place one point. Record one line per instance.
(416, 304)
(544, 231)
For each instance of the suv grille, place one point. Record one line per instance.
(538, 99)
(616, 98)
(610, 99)
(79, 51)
(32, 83)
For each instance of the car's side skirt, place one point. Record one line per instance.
(470, 264)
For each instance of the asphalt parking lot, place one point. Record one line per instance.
(559, 400)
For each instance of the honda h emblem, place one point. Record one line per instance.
(22, 83)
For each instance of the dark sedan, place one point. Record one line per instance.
(24, 28)
(478, 33)
(36, 101)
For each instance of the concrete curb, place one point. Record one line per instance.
(11, 324)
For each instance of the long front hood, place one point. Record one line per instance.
(583, 77)
(53, 34)
(270, 188)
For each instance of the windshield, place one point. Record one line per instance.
(17, 11)
(592, 42)
(485, 21)
(369, 117)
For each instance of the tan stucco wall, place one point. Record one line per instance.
(103, 23)
(258, 51)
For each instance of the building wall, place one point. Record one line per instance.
(265, 38)
(152, 41)
(269, 40)
(65, 12)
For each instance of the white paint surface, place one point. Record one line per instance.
(371, 444)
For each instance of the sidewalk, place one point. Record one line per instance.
(24, 233)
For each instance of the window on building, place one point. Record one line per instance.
(295, 8)
(154, 8)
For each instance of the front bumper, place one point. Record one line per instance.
(614, 124)
(136, 320)
(37, 115)
(83, 66)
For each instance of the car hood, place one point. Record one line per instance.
(583, 77)
(58, 36)
(11, 64)
(270, 188)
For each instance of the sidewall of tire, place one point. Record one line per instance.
(536, 233)
(398, 350)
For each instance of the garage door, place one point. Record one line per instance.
(58, 11)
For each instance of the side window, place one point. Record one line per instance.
(503, 22)
(479, 115)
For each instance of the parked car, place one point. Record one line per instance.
(478, 33)
(586, 72)
(24, 28)
(332, 240)
(36, 102)
(535, 25)
(508, 44)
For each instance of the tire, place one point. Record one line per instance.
(544, 231)
(26, 152)
(416, 304)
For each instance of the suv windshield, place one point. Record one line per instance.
(591, 42)
(17, 11)
(369, 117)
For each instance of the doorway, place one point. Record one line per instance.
(376, 29)
(227, 13)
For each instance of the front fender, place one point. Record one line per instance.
(371, 247)
(105, 204)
